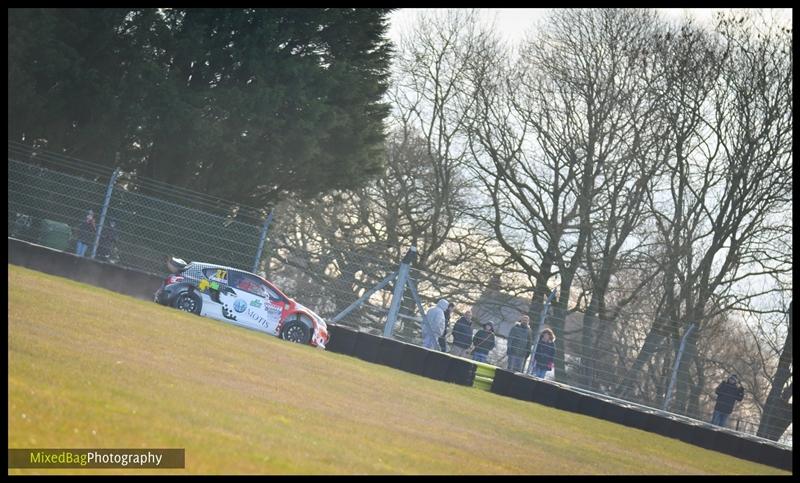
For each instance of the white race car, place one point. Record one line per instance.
(240, 298)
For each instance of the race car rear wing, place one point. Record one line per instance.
(175, 265)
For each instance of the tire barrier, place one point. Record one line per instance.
(731, 444)
(436, 365)
(568, 400)
(81, 269)
(501, 382)
(673, 427)
(342, 340)
(485, 370)
(545, 393)
(556, 395)
(482, 383)
(521, 387)
(616, 413)
(368, 347)
(461, 372)
(401, 355)
(391, 353)
(414, 359)
(642, 419)
(597, 408)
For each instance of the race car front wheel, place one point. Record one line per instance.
(188, 302)
(296, 331)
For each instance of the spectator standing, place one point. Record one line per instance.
(447, 314)
(545, 353)
(728, 393)
(86, 232)
(433, 325)
(520, 340)
(107, 240)
(462, 335)
(483, 342)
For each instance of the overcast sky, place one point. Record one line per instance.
(514, 22)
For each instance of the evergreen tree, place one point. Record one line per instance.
(246, 104)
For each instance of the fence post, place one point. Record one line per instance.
(363, 298)
(264, 230)
(675, 368)
(399, 288)
(103, 212)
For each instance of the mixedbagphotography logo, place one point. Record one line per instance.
(96, 458)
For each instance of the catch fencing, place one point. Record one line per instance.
(326, 268)
(145, 221)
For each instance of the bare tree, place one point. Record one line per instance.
(569, 134)
(730, 113)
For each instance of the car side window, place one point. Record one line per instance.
(217, 275)
(248, 283)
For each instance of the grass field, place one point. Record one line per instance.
(92, 368)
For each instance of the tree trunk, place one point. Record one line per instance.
(777, 414)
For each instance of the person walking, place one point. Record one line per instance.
(433, 325)
(86, 232)
(483, 342)
(520, 340)
(728, 393)
(545, 353)
(462, 334)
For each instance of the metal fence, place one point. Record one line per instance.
(145, 221)
(49, 196)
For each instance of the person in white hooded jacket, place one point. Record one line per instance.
(433, 325)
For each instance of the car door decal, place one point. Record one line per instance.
(231, 303)
(220, 276)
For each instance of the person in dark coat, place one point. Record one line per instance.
(483, 342)
(520, 340)
(443, 338)
(107, 240)
(86, 231)
(728, 393)
(462, 335)
(545, 353)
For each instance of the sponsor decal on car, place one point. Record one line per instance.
(220, 276)
(255, 303)
(203, 285)
(240, 305)
(273, 309)
(258, 318)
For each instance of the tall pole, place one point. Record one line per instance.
(675, 367)
(103, 212)
(264, 230)
(399, 288)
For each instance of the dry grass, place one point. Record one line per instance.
(91, 368)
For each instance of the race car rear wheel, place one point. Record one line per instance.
(296, 331)
(188, 302)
